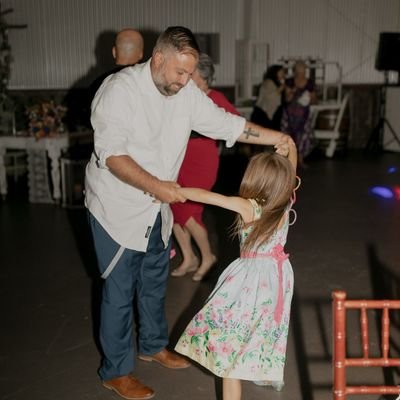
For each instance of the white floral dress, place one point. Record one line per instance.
(241, 332)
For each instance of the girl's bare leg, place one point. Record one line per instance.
(231, 389)
(200, 236)
(190, 261)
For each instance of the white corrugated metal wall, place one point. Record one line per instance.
(58, 46)
(346, 31)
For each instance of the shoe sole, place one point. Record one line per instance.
(126, 397)
(150, 359)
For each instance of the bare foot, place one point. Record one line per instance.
(205, 266)
(186, 266)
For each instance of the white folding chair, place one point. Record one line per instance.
(329, 134)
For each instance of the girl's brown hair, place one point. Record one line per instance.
(269, 179)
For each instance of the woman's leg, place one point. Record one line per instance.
(231, 389)
(190, 261)
(200, 236)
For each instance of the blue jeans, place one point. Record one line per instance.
(136, 273)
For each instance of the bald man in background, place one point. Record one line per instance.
(128, 48)
(127, 51)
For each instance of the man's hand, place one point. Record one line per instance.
(126, 169)
(167, 192)
(287, 148)
(283, 146)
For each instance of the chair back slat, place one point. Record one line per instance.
(385, 333)
(364, 332)
(341, 361)
(341, 112)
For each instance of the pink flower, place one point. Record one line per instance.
(228, 315)
(212, 346)
(280, 349)
(218, 301)
(203, 330)
(229, 278)
(246, 315)
(226, 348)
(199, 317)
(267, 325)
(190, 332)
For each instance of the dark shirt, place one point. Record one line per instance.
(94, 87)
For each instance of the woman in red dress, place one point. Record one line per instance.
(199, 169)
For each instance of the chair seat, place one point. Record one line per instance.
(320, 134)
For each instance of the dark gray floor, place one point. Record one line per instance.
(345, 238)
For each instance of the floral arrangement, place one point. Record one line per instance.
(45, 119)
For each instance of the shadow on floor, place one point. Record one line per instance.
(78, 220)
(311, 315)
(386, 286)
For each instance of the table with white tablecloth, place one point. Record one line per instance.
(53, 148)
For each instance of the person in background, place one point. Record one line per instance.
(127, 51)
(241, 331)
(296, 118)
(142, 118)
(267, 111)
(199, 169)
(128, 48)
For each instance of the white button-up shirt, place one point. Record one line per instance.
(131, 117)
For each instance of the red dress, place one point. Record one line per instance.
(199, 167)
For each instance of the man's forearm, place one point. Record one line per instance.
(255, 134)
(130, 172)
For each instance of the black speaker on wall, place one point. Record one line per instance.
(388, 56)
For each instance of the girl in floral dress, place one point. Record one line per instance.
(241, 332)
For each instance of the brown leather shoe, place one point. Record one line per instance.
(167, 359)
(129, 387)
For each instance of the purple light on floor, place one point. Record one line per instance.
(392, 170)
(383, 192)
